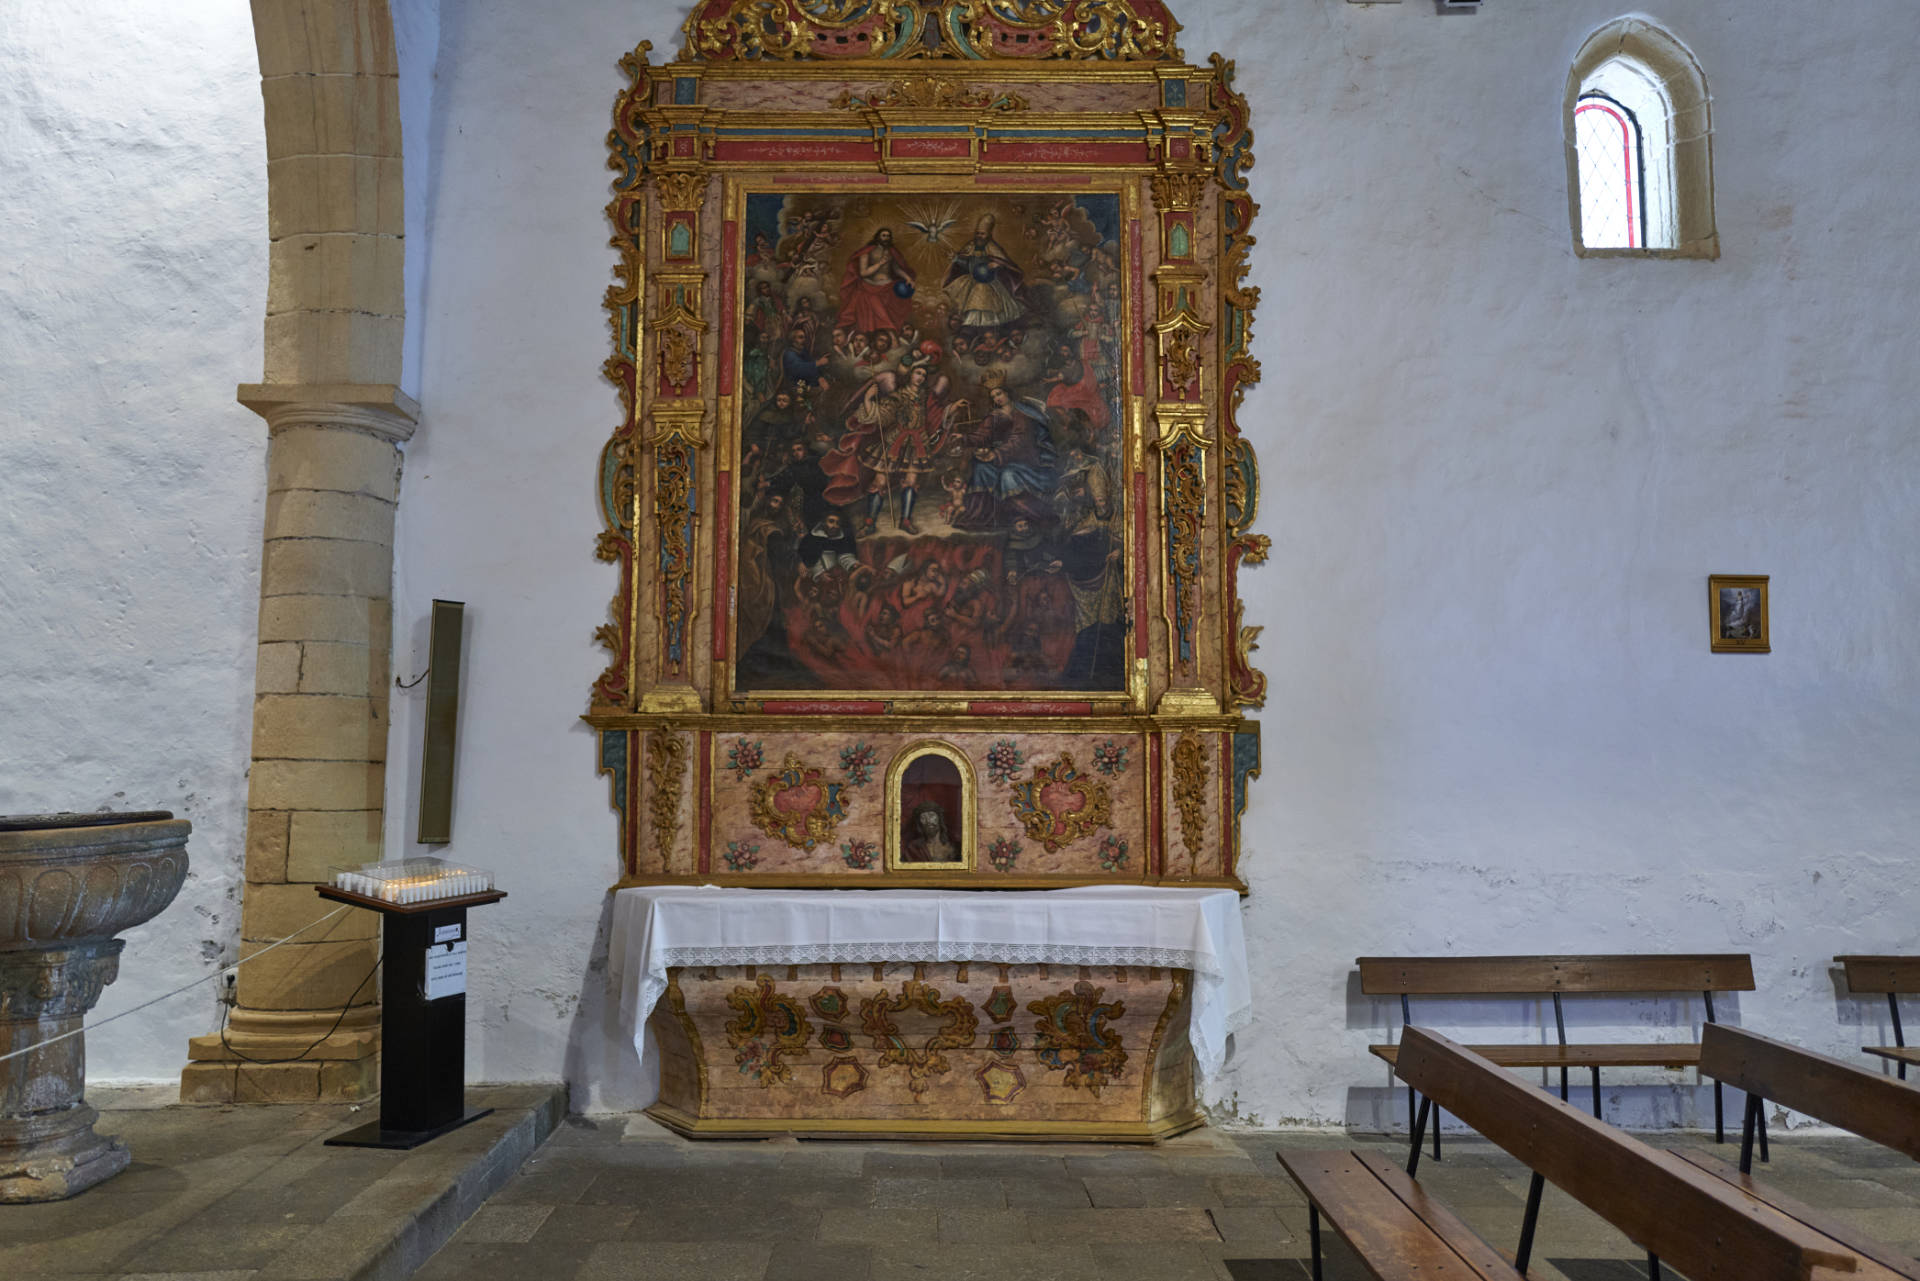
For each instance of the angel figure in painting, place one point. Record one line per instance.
(927, 838)
(895, 426)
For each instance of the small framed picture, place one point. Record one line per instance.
(1737, 605)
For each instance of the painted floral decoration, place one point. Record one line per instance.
(743, 758)
(1004, 760)
(742, 856)
(857, 762)
(859, 854)
(1113, 854)
(1110, 758)
(1003, 853)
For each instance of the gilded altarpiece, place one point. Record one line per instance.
(928, 496)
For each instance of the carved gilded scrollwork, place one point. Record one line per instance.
(929, 91)
(682, 190)
(666, 771)
(827, 30)
(1247, 686)
(1178, 191)
(1190, 791)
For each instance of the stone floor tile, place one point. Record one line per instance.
(1837, 1193)
(243, 1274)
(582, 1223)
(701, 1222)
(208, 1244)
(504, 1224)
(1292, 1270)
(1044, 1226)
(549, 1185)
(1058, 1192)
(1162, 1191)
(902, 1163)
(1155, 1261)
(878, 1227)
(1008, 1165)
(891, 1193)
(984, 1227)
(715, 1260)
(1250, 1225)
(826, 1158)
(1108, 1164)
(1254, 1189)
(806, 1261)
(485, 1261)
(1054, 1261)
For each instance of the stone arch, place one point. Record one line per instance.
(305, 1026)
(1673, 68)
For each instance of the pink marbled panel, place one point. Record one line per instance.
(1001, 762)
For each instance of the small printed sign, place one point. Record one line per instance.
(446, 970)
(446, 933)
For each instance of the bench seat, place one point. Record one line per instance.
(1825, 1224)
(1672, 1054)
(1395, 1228)
(1898, 1053)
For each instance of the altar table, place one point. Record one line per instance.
(1080, 1012)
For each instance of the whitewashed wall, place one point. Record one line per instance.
(1496, 478)
(133, 200)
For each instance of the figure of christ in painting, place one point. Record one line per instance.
(895, 426)
(1012, 472)
(983, 289)
(876, 291)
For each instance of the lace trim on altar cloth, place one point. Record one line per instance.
(994, 953)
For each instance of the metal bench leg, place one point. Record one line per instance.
(1563, 1085)
(1719, 1115)
(1764, 1154)
(1596, 1092)
(1653, 1266)
(1747, 1128)
(1313, 1236)
(1525, 1252)
(1419, 1134)
(1436, 1131)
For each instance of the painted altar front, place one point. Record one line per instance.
(927, 495)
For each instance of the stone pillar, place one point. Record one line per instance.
(315, 799)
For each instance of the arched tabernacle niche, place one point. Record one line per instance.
(1631, 58)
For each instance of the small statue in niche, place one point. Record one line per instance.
(927, 839)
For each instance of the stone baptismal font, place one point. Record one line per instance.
(68, 884)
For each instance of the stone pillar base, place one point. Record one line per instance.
(344, 1067)
(54, 1155)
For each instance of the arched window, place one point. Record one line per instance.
(1639, 163)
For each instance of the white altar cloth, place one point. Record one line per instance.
(658, 926)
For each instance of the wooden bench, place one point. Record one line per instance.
(1892, 975)
(1705, 1227)
(1868, 1104)
(1555, 976)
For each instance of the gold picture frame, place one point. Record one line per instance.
(911, 835)
(1737, 614)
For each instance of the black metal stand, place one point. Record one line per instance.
(423, 1042)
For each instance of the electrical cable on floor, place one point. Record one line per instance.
(97, 1024)
(228, 1045)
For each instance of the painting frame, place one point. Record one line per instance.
(1738, 623)
(1117, 433)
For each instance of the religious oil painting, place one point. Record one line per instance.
(930, 810)
(1738, 606)
(930, 443)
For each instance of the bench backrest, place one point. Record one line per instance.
(1694, 1222)
(1871, 1105)
(1517, 975)
(1882, 973)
